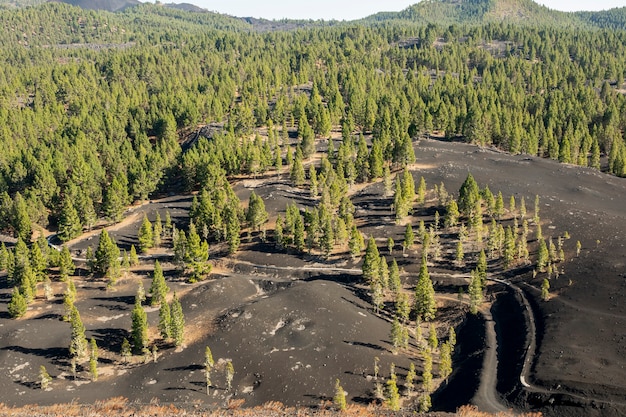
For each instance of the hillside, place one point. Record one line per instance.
(519, 12)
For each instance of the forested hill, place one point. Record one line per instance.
(92, 103)
(524, 12)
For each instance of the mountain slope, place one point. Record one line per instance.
(108, 5)
(524, 12)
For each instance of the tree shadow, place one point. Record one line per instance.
(110, 338)
(50, 316)
(122, 299)
(57, 354)
(364, 344)
(194, 367)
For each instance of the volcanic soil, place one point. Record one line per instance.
(292, 324)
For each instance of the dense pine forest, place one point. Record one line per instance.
(94, 105)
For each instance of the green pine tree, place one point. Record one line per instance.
(177, 321)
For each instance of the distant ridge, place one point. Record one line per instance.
(524, 12)
(108, 5)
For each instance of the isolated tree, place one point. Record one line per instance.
(208, 367)
(394, 276)
(44, 378)
(340, 397)
(451, 217)
(427, 372)
(177, 321)
(475, 292)
(543, 255)
(18, 305)
(132, 256)
(410, 379)
(125, 350)
(392, 395)
(396, 335)
(165, 320)
(433, 342)
(78, 343)
(106, 261)
(409, 237)
(545, 290)
(230, 374)
(256, 215)
(370, 266)
(424, 403)
(66, 264)
(145, 236)
(459, 254)
(355, 244)
(425, 304)
(403, 309)
(93, 359)
(139, 330)
(445, 361)
(158, 288)
(469, 193)
(157, 231)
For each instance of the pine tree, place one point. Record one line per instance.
(424, 403)
(340, 397)
(93, 360)
(403, 309)
(468, 195)
(355, 244)
(145, 236)
(69, 222)
(452, 214)
(165, 321)
(410, 379)
(543, 256)
(395, 284)
(18, 305)
(297, 173)
(427, 372)
(167, 227)
(159, 288)
(22, 224)
(157, 231)
(421, 191)
(66, 265)
(433, 342)
(545, 290)
(459, 254)
(230, 373)
(106, 256)
(256, 215)
(78, 343)
(139, 331)
(425, 304)
(475, 292)
(393, 396)
(177, 321)
(396, 335)
(132, 257)
(370, 266)
(125, 350)
(44, 378)
(208, 367)
(409, 237)
(445, 361)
